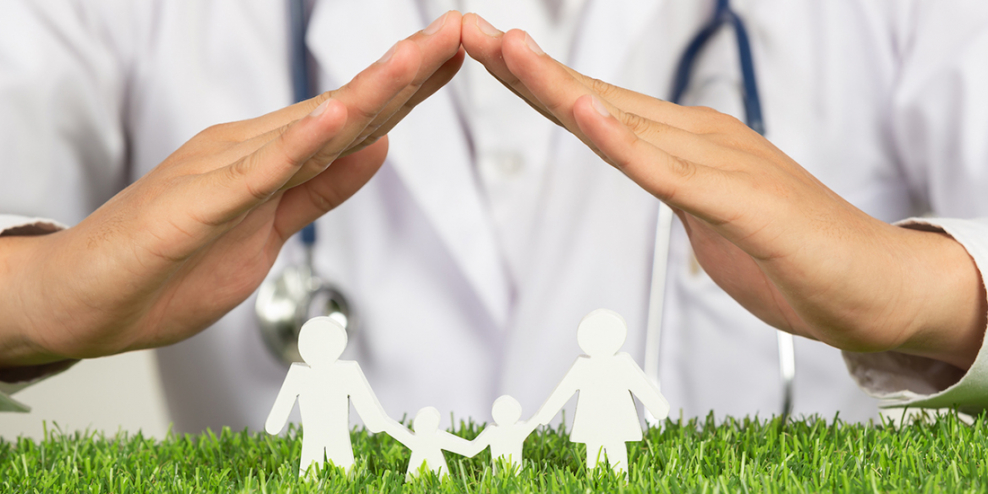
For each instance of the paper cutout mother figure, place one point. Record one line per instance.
(325, 387)
(606, 417)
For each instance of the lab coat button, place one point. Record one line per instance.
(502, 165)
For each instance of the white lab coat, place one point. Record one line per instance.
(475, 251)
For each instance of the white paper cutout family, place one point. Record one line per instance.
(605, 419)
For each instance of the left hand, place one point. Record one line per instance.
(775, 238)
(193, 238)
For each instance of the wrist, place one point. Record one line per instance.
(946, 288)
(22, 301)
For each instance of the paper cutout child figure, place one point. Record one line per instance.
(325, 387)
(506, 435)
(606, 417)
(428, 442)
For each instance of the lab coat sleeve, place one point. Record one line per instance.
(63, 92)
(897, 379)
(14, 380)
(938, 120)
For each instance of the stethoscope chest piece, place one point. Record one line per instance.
(286, 302)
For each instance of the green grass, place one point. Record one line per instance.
(813, 455)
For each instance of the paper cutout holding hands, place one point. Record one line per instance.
(325, 387)
(506, 435)
(606, 417)
(428, 442)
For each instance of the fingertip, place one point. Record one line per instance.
(478, 44)
(593, 119)
(517, 49)
(456, 19)
(333, 115)
(587, 104)
(514, 40)
(466, 20)
(447, 25)
(486, 28)
(329, 117)
(403, 59)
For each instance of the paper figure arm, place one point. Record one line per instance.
(476, 445)
(529, 425)
(564, 390)
(365, 402)
(642, 387)
(399, 432)
(285, 401)
(458, 445)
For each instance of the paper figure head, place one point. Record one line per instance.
(427, 420)
(506, 410)
(321, 341)
(601, 333)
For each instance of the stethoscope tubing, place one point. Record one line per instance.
(723, 15)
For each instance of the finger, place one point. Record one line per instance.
(435, 47)
(302, 205)
(556, 88)
(482, 42)
(440, 43)
(440, 78)
(364, 98)
(692, 119)
(228, 192)
(678, 182)
(547, 81)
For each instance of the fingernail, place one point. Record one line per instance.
(436, 25)
(532, 45)
(387, 56)
(486, 28)
(599, 106)
(320, 109)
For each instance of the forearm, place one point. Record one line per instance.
(20, 299)
(948, 295)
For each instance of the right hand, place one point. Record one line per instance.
(192, 239)
(786, 247)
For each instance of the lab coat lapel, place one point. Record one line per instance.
(427, 148)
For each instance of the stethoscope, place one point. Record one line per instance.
(296, 295)
(284, 303)
(723, 15)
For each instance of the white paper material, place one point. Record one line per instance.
(428, 442)
(325, 387)
(606, 417)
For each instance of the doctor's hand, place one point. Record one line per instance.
(781, 243)
(175, 251)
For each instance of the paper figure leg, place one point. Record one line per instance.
(595, 454)
(312, 452)
(617, 457)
